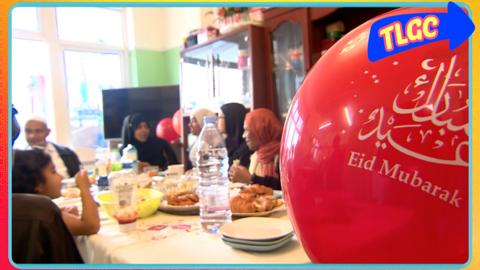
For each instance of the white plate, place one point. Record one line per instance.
(262, 248)
(257, 228)
(260, 214)
(257, 242)
(235, 185)
(178, 210)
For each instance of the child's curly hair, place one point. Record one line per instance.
(27, 172)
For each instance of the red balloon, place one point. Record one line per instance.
(165, 130)
(374, 156)
(177, 122)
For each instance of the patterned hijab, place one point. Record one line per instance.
(266, 129)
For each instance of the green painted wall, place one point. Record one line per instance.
(133, 68)
(172, 61)
(154, 67)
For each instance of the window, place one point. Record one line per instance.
(25, 19)
(62, 59)
(87, 74)
(92, 25)
(30, 77)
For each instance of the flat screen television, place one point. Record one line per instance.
(155, 102)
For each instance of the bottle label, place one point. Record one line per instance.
(124, 192)
(132, 155)
(102, 169)
(218, 208)
(135, 166)
(215, 202)
(127, 165)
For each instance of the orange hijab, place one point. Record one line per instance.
(265, 128)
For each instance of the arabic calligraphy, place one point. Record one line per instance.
(431, 112)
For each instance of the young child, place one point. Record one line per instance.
(34, 172)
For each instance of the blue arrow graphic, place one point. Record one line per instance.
(388, 36)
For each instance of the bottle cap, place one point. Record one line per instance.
(209, 120)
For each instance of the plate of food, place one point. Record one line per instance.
(255, 201)
(233, 185)
(180, 204)
(259, 214)
(70, 192)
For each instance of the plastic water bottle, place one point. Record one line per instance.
(130, 158)
(101, 167)
(213, 187)
(115, 164)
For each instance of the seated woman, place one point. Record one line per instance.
(196, 125)
(34, 172)
(230, 123)
(262, 133)
(151, 150)
(196, 120)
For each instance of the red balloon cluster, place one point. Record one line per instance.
(166, 131)
(375, 155)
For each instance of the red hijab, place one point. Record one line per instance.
(265, 128)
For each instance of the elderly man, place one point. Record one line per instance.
(65, 160)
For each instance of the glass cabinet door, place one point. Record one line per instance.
(232, 70)
(288, 63)
(217, 73)
(196, 79)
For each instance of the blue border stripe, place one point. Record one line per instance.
(237, 266)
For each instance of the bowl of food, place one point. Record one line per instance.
(147, 199)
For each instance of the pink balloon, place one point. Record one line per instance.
(165, 130)
(374, 156)
(177, 122)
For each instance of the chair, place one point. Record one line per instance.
(39, 234)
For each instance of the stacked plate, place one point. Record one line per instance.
(179, 209)
(257, 233)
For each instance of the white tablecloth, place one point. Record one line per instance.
(172, 239)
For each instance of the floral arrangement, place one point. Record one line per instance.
(224, 12)
(229, 18)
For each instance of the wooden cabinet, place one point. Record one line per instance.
(288, 60)
(229, 68)
(296, 39)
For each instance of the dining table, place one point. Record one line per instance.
(173, 239)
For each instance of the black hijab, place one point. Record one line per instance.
(155, 151)
(130, 124)
(234, 114)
